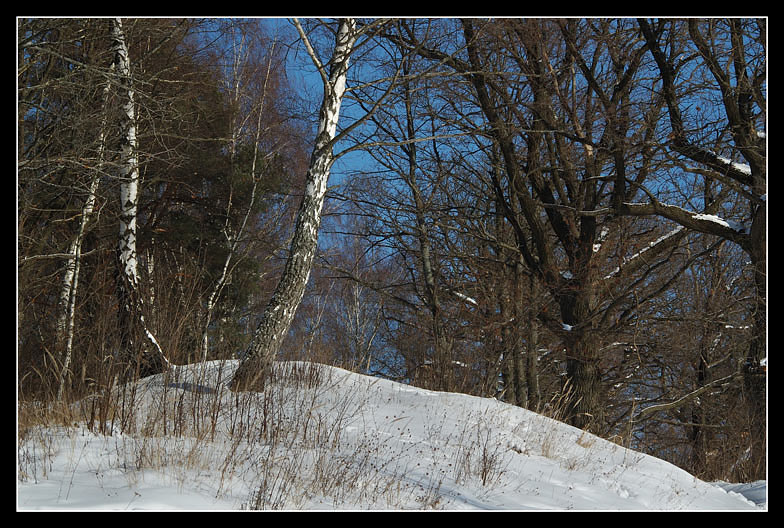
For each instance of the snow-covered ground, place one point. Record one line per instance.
(346, 441)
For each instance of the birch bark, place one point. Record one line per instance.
(65, 322)
(280, 311)
(138, 345)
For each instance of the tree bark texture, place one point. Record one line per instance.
(139, 349)
(280, 311)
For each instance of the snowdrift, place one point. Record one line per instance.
(325, 438)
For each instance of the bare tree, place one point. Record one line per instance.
(79, 139)
(569, 125)
(550, 192)
(131, 108)
(732, 164)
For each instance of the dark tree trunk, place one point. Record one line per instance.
(583, 390)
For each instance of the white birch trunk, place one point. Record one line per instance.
(131, 318)
(280, 311)
(129, 164)
(65, 321)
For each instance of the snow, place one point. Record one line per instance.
(466, 298)
(600, 239)
(359, 443)
(741, 167)
(651, 245)
(735, 226)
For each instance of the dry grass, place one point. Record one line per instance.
(286, 445)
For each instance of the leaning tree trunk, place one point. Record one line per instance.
(138, 347)
(65, 321)
(280, 311)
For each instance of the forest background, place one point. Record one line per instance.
(561, 213)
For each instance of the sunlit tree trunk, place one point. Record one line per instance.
(65, 322)
(280, 311)
(139, 348)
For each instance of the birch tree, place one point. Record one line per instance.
(65, 323)
(280, 311)
(60, 102)
(138, 345)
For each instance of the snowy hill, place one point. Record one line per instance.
(325, 438)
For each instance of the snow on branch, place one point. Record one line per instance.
(701, 222)
(656, 244)
(466, 298)
(743, 168)
(730, 224)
